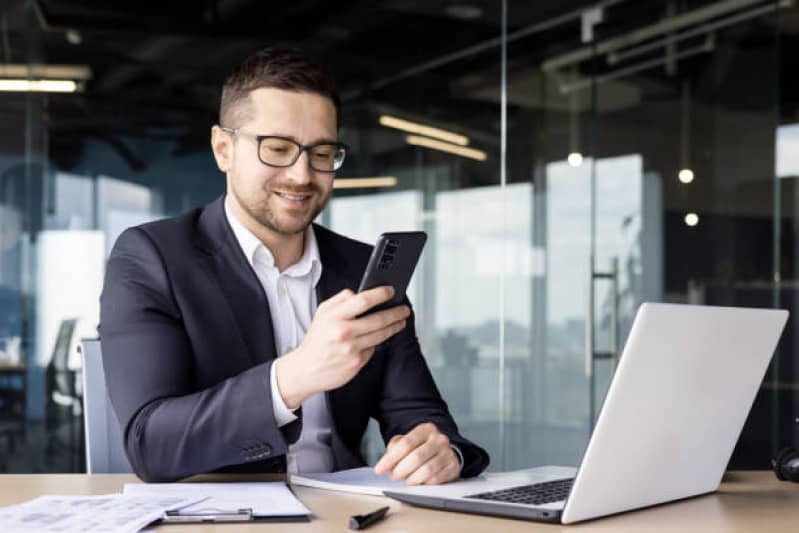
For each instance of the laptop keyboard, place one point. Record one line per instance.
(536, 494)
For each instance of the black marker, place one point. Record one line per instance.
(362, 521)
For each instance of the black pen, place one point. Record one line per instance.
(362, 521)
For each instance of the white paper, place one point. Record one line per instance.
(264, 498)
(115, 513)
(359, 480)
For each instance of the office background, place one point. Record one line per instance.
(586, 157)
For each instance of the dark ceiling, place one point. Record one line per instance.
(161, 64)
(158, 66)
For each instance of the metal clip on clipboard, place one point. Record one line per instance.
(178, 517)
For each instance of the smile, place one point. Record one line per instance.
(293, 197)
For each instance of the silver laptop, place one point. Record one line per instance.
(684, 385)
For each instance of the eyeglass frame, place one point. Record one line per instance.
(303, 148)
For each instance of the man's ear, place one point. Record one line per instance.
(222, 146)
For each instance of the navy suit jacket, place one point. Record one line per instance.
(188, 344)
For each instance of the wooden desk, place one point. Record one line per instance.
(746, 501)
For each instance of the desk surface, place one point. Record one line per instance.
(746, 501)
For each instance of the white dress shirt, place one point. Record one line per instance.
(292, 303)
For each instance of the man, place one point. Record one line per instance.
(231, 338)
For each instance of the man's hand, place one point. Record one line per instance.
(423, 456)
(337, 344)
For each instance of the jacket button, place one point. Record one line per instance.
(267, 449)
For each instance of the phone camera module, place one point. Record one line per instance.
(386, 260)
(387, 257)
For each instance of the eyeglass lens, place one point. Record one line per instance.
(283, 153)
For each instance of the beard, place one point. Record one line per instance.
(293, 221)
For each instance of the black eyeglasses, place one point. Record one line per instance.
(282, 152)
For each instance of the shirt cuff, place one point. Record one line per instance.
(283, 415)
(458, 453)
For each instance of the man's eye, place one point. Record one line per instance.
(278, 149)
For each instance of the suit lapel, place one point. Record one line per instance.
(330, 283)
(239, 283)
(336, 275)
(250, 306)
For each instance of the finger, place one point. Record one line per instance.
(395, 452)
(449, 473)
(434, 439)
(398, 450)
(363, 301)
(381, 319)
(430, 468)
(375, 338)
(412, 462)
(391, 443)
(337, 298)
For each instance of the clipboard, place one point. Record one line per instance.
(228, 502)
(221, 516)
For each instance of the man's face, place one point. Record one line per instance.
(281, 200)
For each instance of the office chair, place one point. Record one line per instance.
(105, 448)
(12, 382)
(63, 403)
(12, 422)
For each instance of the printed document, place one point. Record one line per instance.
(359, 480)
(115, 513)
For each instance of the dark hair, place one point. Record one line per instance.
(280, 68)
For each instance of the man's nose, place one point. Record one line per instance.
(300, 171)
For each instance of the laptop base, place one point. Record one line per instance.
(478, 507)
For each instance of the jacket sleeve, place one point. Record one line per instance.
(171, 429)
(410, 397)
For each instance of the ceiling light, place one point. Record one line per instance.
(45, 72)
(422, 129)
(21, 77)
(364, 183)
(691, 219)
(39, 86)
(686, 175)
(73, 37)
(575, 159)
(471, 153)
(464, 11)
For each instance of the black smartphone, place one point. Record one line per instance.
(392, 263)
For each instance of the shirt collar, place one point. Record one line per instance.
(309, 262)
